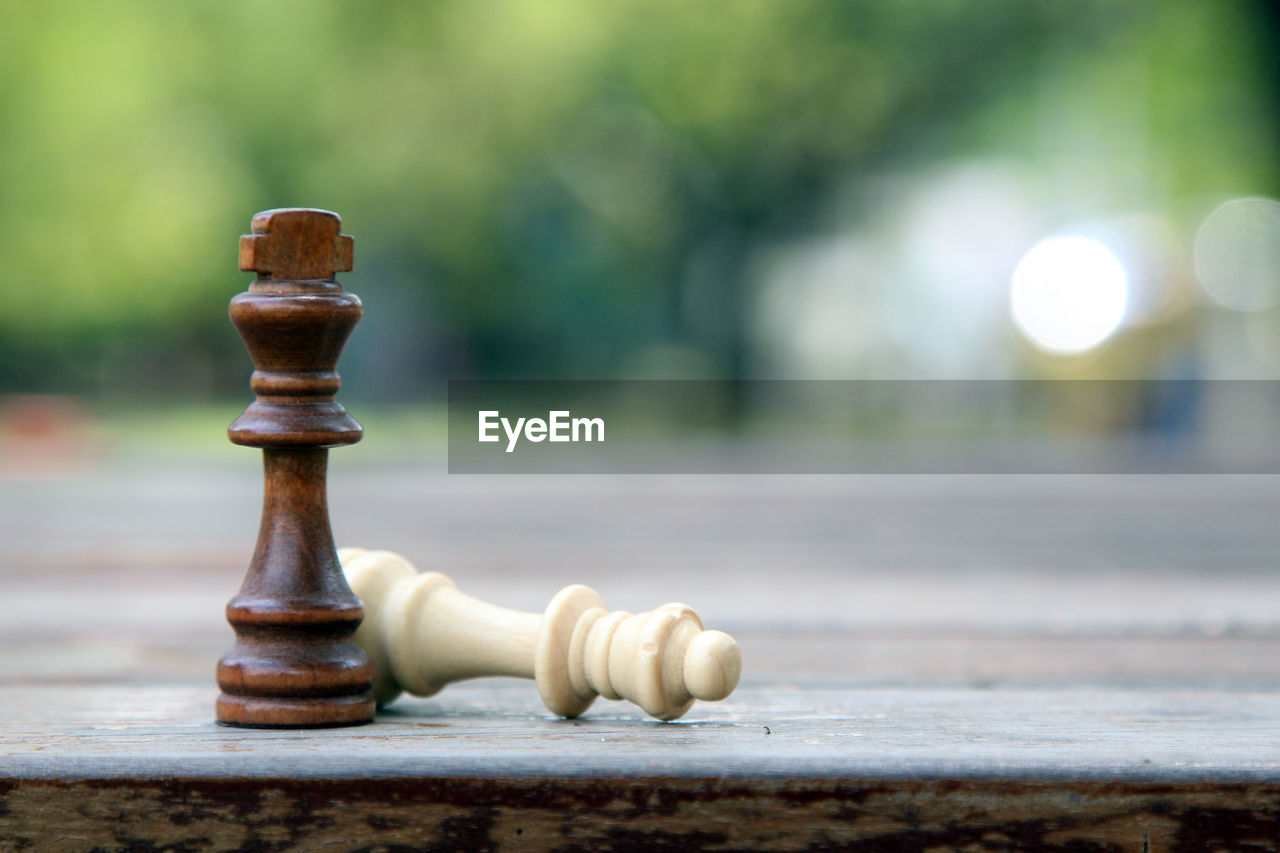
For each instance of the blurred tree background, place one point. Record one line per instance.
(570, 189)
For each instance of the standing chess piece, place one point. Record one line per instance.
(295, 662)
(422, 633)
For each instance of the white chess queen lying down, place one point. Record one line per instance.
(422, 633)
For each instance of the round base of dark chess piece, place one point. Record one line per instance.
(254, 713)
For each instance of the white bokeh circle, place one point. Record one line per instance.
(1068, 294)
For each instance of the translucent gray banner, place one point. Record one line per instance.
(864, 427)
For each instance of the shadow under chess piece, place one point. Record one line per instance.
(422, 634)
(295, 662)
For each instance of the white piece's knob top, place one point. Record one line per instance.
(712, 666)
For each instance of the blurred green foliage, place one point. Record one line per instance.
(530, 183)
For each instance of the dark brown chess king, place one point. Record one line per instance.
(295, 662)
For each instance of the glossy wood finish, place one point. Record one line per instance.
(295, 662)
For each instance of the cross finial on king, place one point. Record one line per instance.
(297, 244)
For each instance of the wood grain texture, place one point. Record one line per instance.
(772, 768)
(1073, 664)
(642, 815)
(499, 728)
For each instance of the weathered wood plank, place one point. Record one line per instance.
(825, 659)
(160, 517)
(481, 768)
(636, 814)
(1072, 664)
(500, 730)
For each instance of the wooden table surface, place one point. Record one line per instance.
(984, 663)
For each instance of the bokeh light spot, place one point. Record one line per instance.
(1238, 254)
(1069, 294)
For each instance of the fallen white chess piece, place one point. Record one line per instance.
(422, 633)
